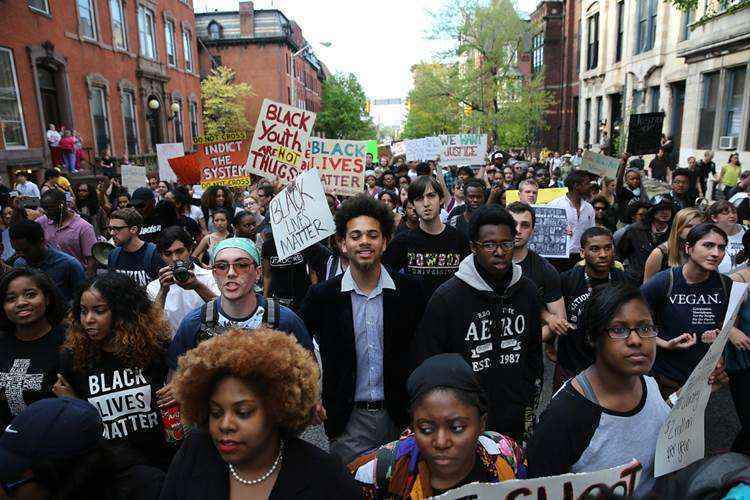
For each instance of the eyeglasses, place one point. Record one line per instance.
(623, 332)
(491, 246)
(240, 266)
(116, 228)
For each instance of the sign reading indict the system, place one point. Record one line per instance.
(463, 149)
(681, 438)
(299, 215)
(223, 162)
(341, 164)
(279, 141)
(621, 481)
(549, 239)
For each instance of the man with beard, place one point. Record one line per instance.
(364, 322)
(641, 238)
(489, 313)
(597, 250)
(474, 197)
(132, 256)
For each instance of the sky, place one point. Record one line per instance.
(378, 41)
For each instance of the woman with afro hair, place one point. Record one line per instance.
(115, 358)
(248, 394)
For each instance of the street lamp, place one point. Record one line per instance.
(294, 77)
(153, 104)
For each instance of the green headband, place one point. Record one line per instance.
(243, 244)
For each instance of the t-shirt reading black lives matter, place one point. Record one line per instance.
(431, 258)
(28, 370)
(126, 400)
(544, 276)
(136, 265)
(689, 308)
(289, 277)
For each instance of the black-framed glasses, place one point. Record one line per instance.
(10, 487)
(623, 332)
(491, 246)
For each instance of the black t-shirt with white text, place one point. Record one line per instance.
(142, 265)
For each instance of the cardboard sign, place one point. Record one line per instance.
(279, 141)
(163, 153)
(549, 238)
(424, 149)
(223, 163)
(601, 165)
(681, 438)
(341, 164)
(133, 177)
(544, 196)
(398, 148)
(644, 133)
(463, 149)
(621, 480)
(300, 215)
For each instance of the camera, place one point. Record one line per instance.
(181, 271)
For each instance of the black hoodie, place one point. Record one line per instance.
(499, 335)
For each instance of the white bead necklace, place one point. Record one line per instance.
(264, 476)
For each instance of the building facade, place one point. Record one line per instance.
(122, 73)
(265, 49)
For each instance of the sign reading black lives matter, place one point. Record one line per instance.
(300, 216)
(549, 238)
(644, 133)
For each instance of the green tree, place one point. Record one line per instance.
(224, 102)
(343, 114)
(430, 111)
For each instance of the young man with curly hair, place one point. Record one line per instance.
(364, 322)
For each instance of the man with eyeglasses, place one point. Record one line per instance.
(490, 314)
(132, 256)
(235, 264)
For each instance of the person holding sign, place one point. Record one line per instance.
(580, 215)
(612, 412)
(448, 446)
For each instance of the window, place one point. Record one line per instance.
(146, 30)
(177, 120)
(537, 52)
(214, 31)
(655, 96)
(193, 112)
(620, 30)
(637, 100)
(599, 112)
(734, 88)
(587, 123)
(169, 35)
(646, 25)
(687, 20)
(86, 20)
(131, 130)
(39, 6)
(99, 115)
(119, 38)
(187, 48)
(592, 53)
(11, 113)
(707, 114)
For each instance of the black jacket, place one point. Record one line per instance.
(307, 472)
(636, 245)
(327, 313)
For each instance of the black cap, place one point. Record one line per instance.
(54, 428)
(443, 370)
(142, 194)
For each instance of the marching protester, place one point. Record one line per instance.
(132, 256)
(660, 167)
(364, 321)
(87, 204)
(31, 333)
(221, 220)
(671, 253)
(681, 195)
(628, 187)
(490, 314)
(186, 213)
(156, 216)
(114, 358)
(580, 215)
(729, 174)
(724, 215)
(474, 197)
(447, 446)
(640, 239)
(528, 191)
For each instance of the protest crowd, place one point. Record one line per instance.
(178, 340)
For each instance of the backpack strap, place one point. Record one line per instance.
(272, 314)
(588, 391)
(114, 255)
(209, 314)
(150, 253)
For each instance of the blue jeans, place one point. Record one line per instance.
(69, 158)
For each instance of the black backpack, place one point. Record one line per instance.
(209, 326)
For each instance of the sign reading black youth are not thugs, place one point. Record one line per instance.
(549, 239)
(300, 216)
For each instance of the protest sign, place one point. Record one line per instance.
(601, 165)
(424, 149)
(300, 215)
(463, 149)
(398, 148)
(372, 148)
(279, 141)
(220, 162)
(549, 238)
(644, 133)
(341, 164)
(681, 438)
(621, 481)
(654, 187)
(544, 196)
(133, 177)
(163, 153)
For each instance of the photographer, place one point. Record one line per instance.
(181, 286)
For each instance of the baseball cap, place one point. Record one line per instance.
(142, 194)
(53, 428)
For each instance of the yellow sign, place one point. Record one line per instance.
(545, 195)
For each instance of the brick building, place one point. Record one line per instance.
(259, 46)
(123, 73)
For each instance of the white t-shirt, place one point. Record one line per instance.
(179, 301)
(733, 248)
(53, 137)
(195, 213)
(578, 222)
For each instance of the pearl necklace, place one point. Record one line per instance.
(264, 476)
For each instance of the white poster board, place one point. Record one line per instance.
(133, 177)
(601, 165)
(163, 153)
(300, 215)
(424, 149)
(463, 149)
(681, 438)
(620, 480)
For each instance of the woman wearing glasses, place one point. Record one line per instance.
(611, 412)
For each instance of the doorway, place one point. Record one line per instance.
(50, 96)
(678, 106)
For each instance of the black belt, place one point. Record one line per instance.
(370, 405)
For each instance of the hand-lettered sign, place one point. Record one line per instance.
(279, 141)
(221, 162)
(463, 149)
(424, 149)
(341, 164)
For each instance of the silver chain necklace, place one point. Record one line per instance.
(264, 476)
